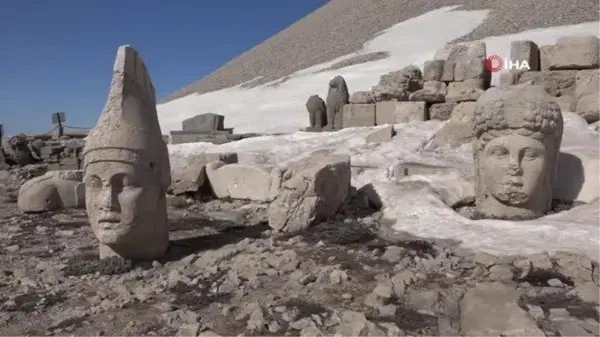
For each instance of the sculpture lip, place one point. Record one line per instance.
(109, 218)
(515, 182)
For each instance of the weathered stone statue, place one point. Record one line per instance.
(518, 132)
(126, 167)
(337, 97)
(317, 112)
(18, 151)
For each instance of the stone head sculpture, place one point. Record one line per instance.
(518, 132)
(126, 167)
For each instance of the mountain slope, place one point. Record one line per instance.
(341, 27)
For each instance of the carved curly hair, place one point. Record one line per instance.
(526, 110)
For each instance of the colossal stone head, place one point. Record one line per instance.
(518, 132)
(126, 167)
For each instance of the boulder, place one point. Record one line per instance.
(52, 191)
(313, 189)
(190, 175)
(243, 181)
(492, 309)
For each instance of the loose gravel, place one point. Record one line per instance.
(341, 27)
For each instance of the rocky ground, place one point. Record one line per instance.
(226, 273)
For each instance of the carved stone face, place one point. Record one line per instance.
(119, 200)
(513, 166)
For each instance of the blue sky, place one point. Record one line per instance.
(57, 55)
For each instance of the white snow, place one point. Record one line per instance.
(409, 207)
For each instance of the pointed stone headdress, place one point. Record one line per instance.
(128, 130)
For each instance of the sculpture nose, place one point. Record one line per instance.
(514, 165)
(105, 199)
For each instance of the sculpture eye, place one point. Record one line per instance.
(127, 181)
(530, 154)
(499, 152)
(93, 181)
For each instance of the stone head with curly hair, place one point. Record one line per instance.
(518, 132)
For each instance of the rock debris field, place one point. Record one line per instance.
(226, 273)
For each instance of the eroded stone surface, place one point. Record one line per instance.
(243, 181)
(313, 189)
(337, 97)
(126, 166)
(317, 111)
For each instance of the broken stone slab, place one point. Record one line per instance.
(190, 176)
(358, 115)
(492, 309)
(575, 53)
(432, 92)
(312, 190)
(441, 111)
(433, 70)
(587, 91)
(381, 135)
(243, 181)
(465, 60)
(52, 191)
(205, 122)
(382, 93)
(557, 83)
(362, 97)
(468, 90)
(525, 50)
(393, 112)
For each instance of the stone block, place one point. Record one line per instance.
(441, 111)
(557, 82)
(313, 190)
(468, 90)
(546, 56)
(433, 70)
(358, 115)
(243, 181)
(432, 92)
(204, 122)
(362, 97)
(190, 175)
(575, 53)
(470, 61)
(383, 134)
(586, 102)
(525, 50)
(509, 77)
(448, 72)
(393, 112)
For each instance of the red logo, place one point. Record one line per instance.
(494, 63)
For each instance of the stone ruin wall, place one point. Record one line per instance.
(456, 77)
(56, 154)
